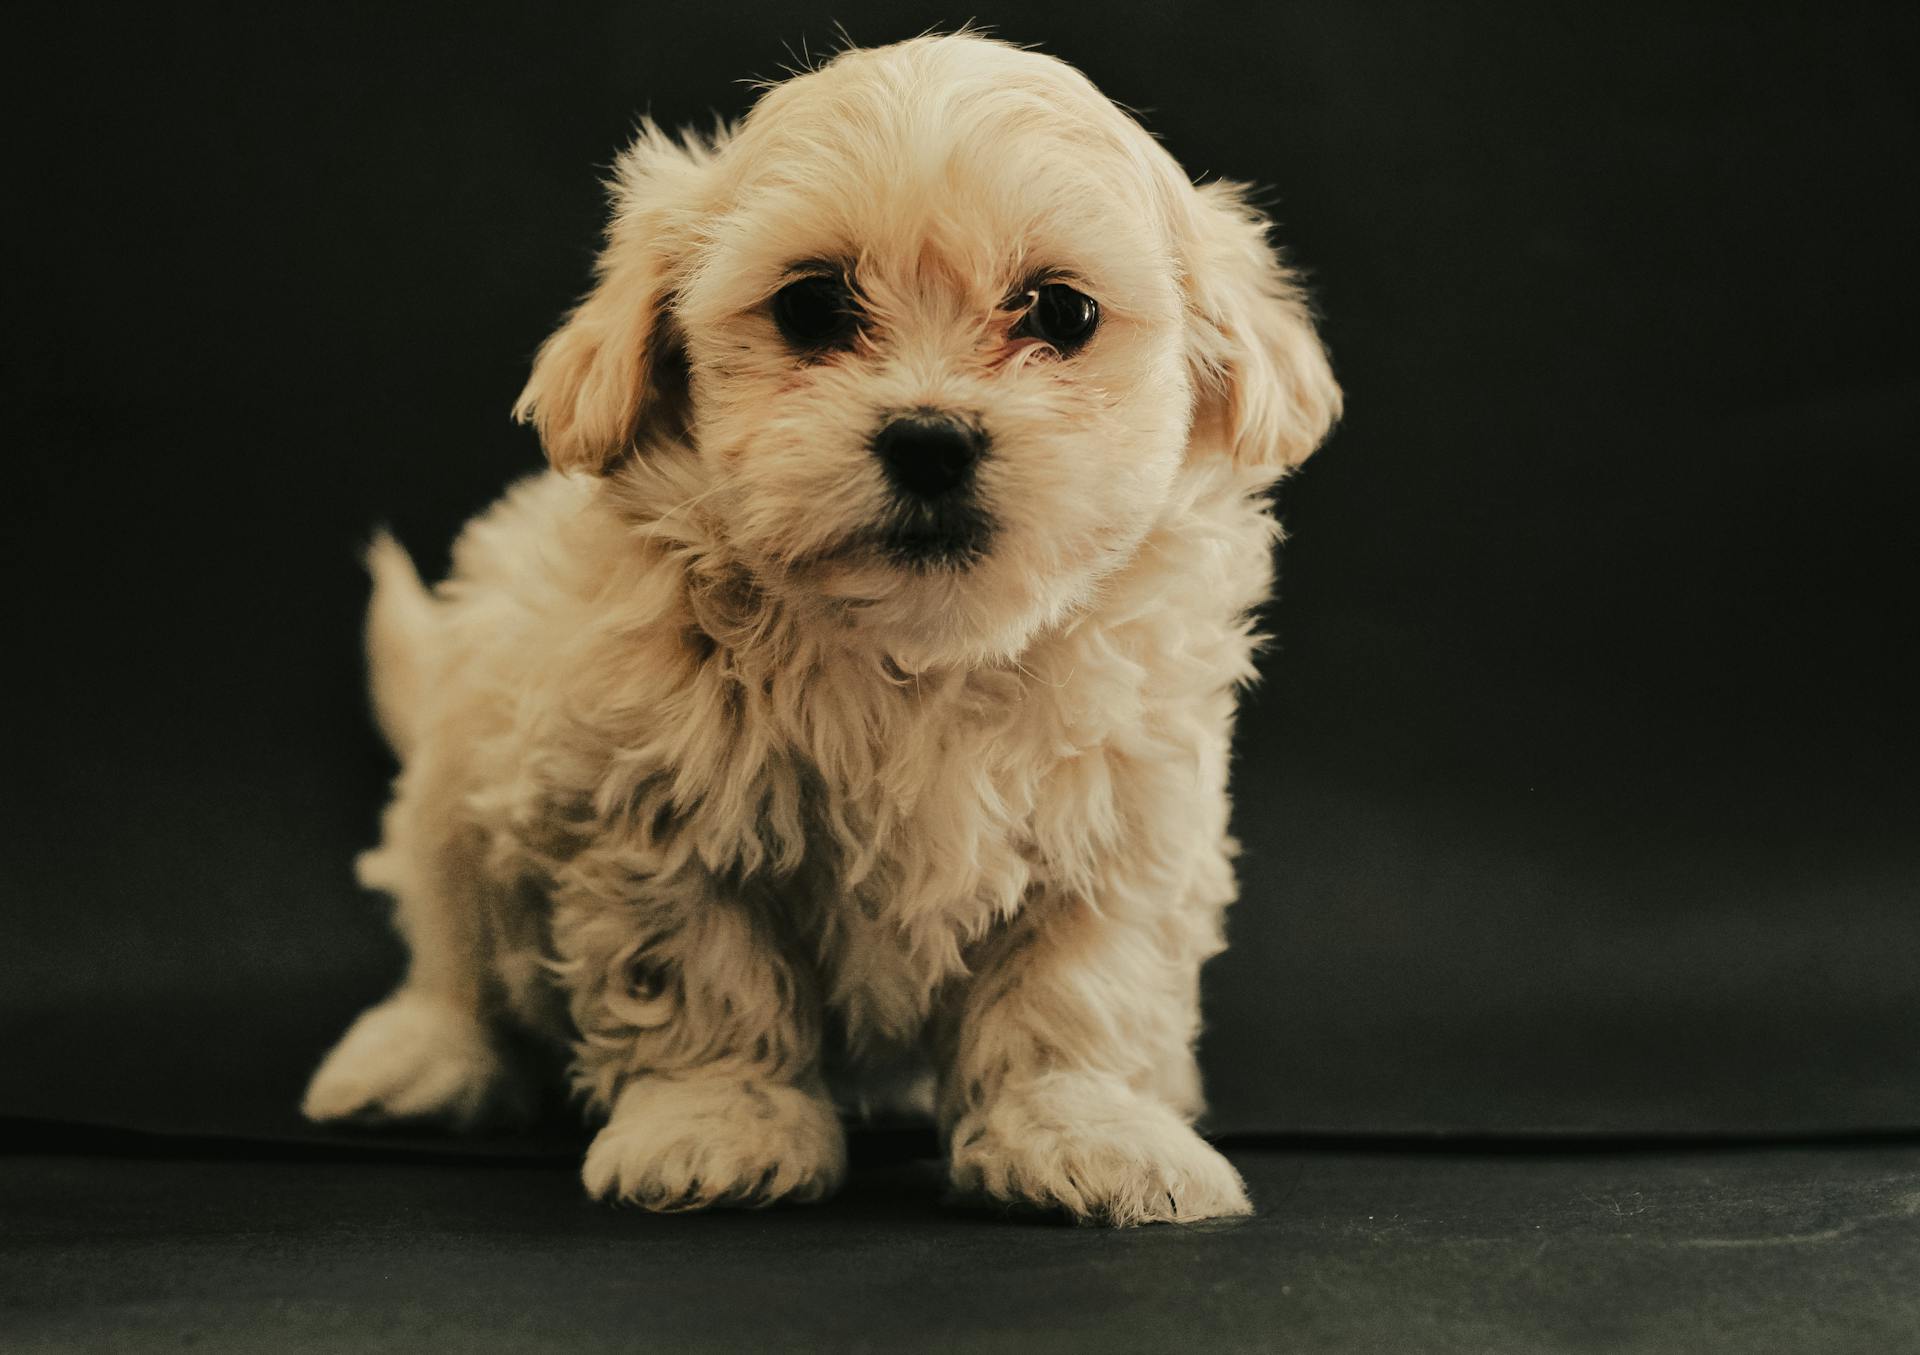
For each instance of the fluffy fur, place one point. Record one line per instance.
(749, 816)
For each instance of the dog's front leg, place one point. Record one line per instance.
(1067, 1076)
(699, 1039)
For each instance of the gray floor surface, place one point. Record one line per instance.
(1749, 1250)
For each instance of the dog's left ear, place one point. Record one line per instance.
(613, 373)
(1264, 387)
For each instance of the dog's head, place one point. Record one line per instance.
(942, 325)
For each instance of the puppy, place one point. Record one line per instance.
(854, 695)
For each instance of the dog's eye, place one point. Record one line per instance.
(816, 312)
(1060, 316)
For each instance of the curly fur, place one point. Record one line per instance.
(750, 816)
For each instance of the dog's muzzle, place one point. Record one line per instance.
(930, 459)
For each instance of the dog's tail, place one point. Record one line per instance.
(401, 630)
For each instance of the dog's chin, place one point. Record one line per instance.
(924, 597)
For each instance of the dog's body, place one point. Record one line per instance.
(746, 766)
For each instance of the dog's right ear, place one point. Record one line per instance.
(613, 373)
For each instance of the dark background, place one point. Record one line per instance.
(1581, 790)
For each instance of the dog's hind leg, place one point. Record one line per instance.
(431, 1050)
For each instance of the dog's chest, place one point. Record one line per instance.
(920, 856)
(887, 826)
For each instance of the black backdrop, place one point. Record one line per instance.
(1581, 790)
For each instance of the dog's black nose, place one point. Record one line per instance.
(928, 455)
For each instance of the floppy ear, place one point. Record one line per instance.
(1264, 386)
(613, 372)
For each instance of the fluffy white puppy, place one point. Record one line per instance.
(855, 694)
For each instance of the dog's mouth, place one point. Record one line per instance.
(938, 536)
(918, 538)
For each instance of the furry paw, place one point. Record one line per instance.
(414, 1058)
(1101, 1152)
(675, 1145)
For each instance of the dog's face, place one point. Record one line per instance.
(942, 325)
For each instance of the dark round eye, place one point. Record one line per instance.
(816, 312)
(1060, 316)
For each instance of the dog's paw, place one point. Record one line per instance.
(415, 1058)
(1100, 1152)
(675, 1145)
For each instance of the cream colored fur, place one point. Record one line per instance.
(750, 816)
